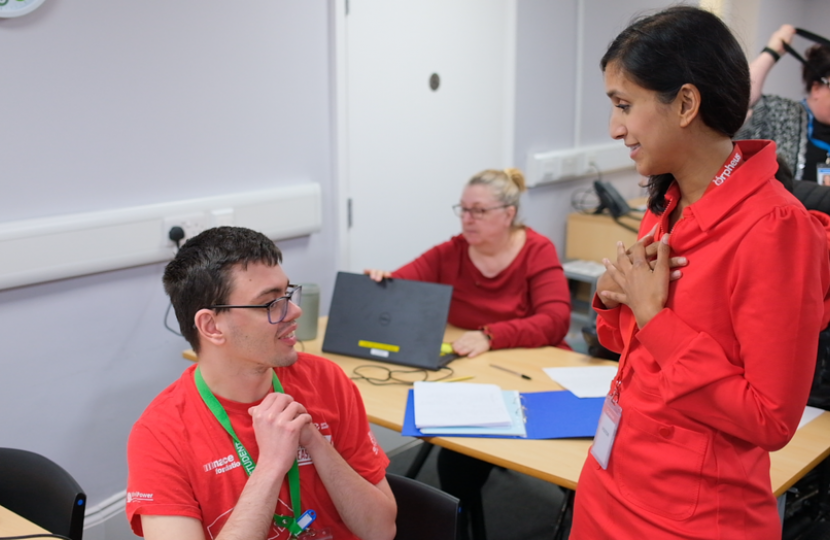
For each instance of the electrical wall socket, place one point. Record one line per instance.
(559, 165)
(192, 224)
(572, 166)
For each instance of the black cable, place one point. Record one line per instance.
(579, 196)
(388, 376)
(628, 227)
(596, 168)
(166, 317)
(584, 201)
(591, 194)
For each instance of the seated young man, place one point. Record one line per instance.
(224, 452)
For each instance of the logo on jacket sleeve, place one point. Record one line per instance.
(137, 497)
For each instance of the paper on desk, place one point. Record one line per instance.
(584, 382)
(459, 404)
(587, 268)
(810, 413)
(513, 402)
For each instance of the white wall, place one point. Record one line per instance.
(112, 104)
(817, 12)
(546, 95)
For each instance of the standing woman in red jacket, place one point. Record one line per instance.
(509, 290)
(717, 356)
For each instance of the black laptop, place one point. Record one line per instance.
(397, 320)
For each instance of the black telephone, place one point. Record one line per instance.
(610, 199)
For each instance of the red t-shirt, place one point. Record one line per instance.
(183, 463)
(527, 304)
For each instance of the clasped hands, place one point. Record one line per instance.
(281, 425)
(640, 277)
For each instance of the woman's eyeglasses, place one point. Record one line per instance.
(475, 212)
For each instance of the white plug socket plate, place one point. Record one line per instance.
(192, 224)
(221, 216)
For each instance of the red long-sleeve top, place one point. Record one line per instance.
(526, 305)
(720, 376)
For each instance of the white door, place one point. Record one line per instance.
(409, 149)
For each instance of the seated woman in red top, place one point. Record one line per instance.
(509, 290)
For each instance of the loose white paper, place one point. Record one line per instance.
(810, 413)
(459, 404)
(583, 382)
(586, 268)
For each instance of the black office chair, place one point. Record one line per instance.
(817, 197)
(808, 501)
(813, 196)
(819, 531)
(41, 491)
(424, 512)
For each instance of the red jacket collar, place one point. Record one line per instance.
(758, 167)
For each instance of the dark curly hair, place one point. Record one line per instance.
(816, 67)
(199, 275)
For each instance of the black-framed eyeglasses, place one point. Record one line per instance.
(382, 375)
(475, 212)
(277, 309)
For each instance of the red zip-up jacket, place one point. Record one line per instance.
(721, 375)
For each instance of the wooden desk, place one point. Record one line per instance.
(12, 524)
(559, 460)
(591, 237)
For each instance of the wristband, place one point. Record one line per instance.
(487, 333)
(772, 52)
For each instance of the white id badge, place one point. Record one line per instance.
(823, 174)
(606, 432)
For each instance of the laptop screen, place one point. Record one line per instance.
(397, 320)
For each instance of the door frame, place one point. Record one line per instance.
(339, 14)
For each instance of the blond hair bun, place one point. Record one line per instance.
(517, 177)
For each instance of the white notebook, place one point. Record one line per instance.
(518, 427)
(459, 404)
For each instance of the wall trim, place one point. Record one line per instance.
(58, 247)
(101, 512)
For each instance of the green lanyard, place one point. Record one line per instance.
(289, 522)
